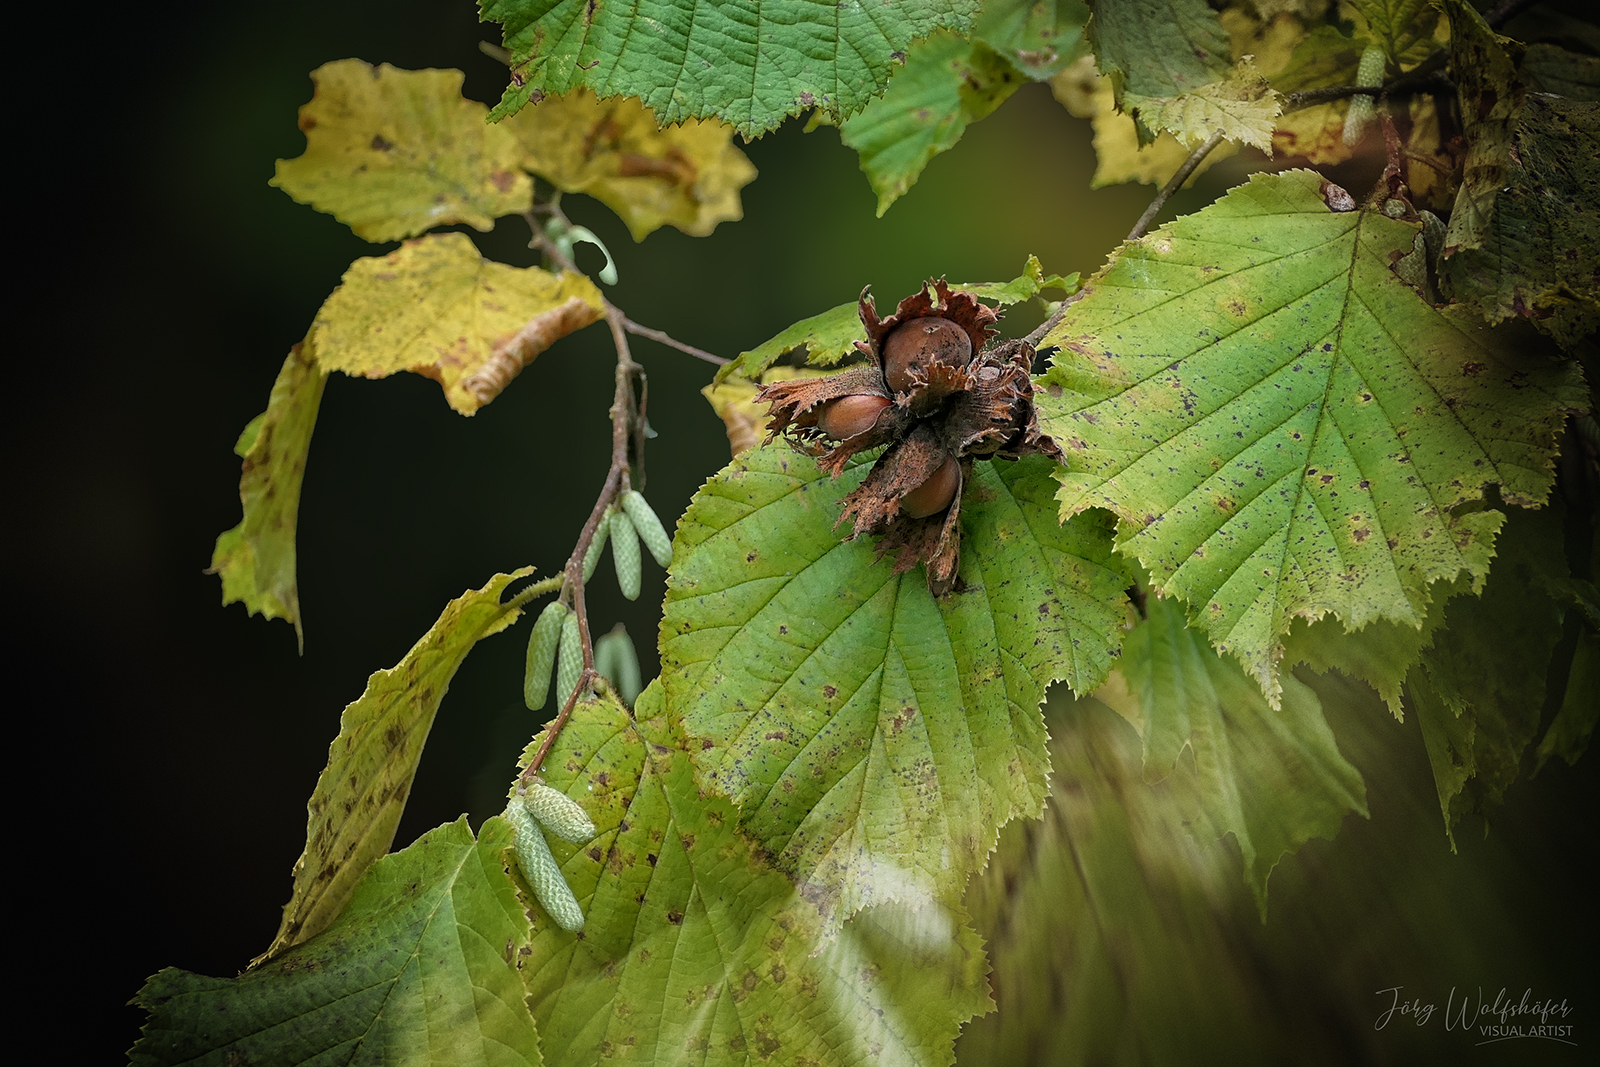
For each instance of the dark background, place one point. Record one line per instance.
(171, 743)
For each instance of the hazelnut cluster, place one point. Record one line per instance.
(931, 392)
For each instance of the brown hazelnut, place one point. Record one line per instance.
(850, 415)
(935, 494)
(916, 343)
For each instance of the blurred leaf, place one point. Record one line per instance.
(1119, 157)
(393, 152)
(688, 176)
(1327, 57)
(1569, 733)
(947, 83)
(1284, 427)
(1399, 25)
(1241, 106)
(256, 558)
(362, 792)
(437, 308)
(696, 950)
(1039, 37)
(753, 63)
(420, 969)
(1158, 48)
(1481, 685)
(1274, 779)
(1113, 934)
(1524, 239)
(874, 738)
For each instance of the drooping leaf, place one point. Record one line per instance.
(876, 738)
(947, 83)
(1283, 427)
(1158, 49)
(421, 969)
(356, 806)
(696, 950)
(435, 307)
(1271, 777)
(752, 63)
(1481, 685)
(1240, 106)
(1040, 38)
(1569, 732)
(1524, 238)
(1381, 653)
(688, 175)
(1119, 156)
(1115, 935)
(393, 152)
(256, 558)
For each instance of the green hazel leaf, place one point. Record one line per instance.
(391, 153)
(696, 950)
(1040, 38)
(421, 969)
(876, 738)
(1273, 778)
(1524, 238)
(820, 341)
(1161, 48)
(356, 806)
(435, 307)
(752, 63)
(256, 558)
(1283, 427)
(1480, 688)
(947, 83)
(1109, 928)
(1025, 286)
(1240, 106)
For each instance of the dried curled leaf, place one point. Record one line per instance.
(945, 399)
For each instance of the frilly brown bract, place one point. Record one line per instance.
(980, 410)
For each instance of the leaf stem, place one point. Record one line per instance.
(1174, 184)
(662, 338)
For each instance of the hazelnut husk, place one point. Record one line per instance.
(935, 398)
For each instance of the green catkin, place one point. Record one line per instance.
(558, 813)
(542, 645)
(540, 869)
(625, 554)
(651, 532)
(569, 666)
(1369, 74)
(622, 663)
(591, 555)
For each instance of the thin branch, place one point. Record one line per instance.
(1054, 320)
(624, 415)
(585, 680)
(1173, 185)
(661, 338)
